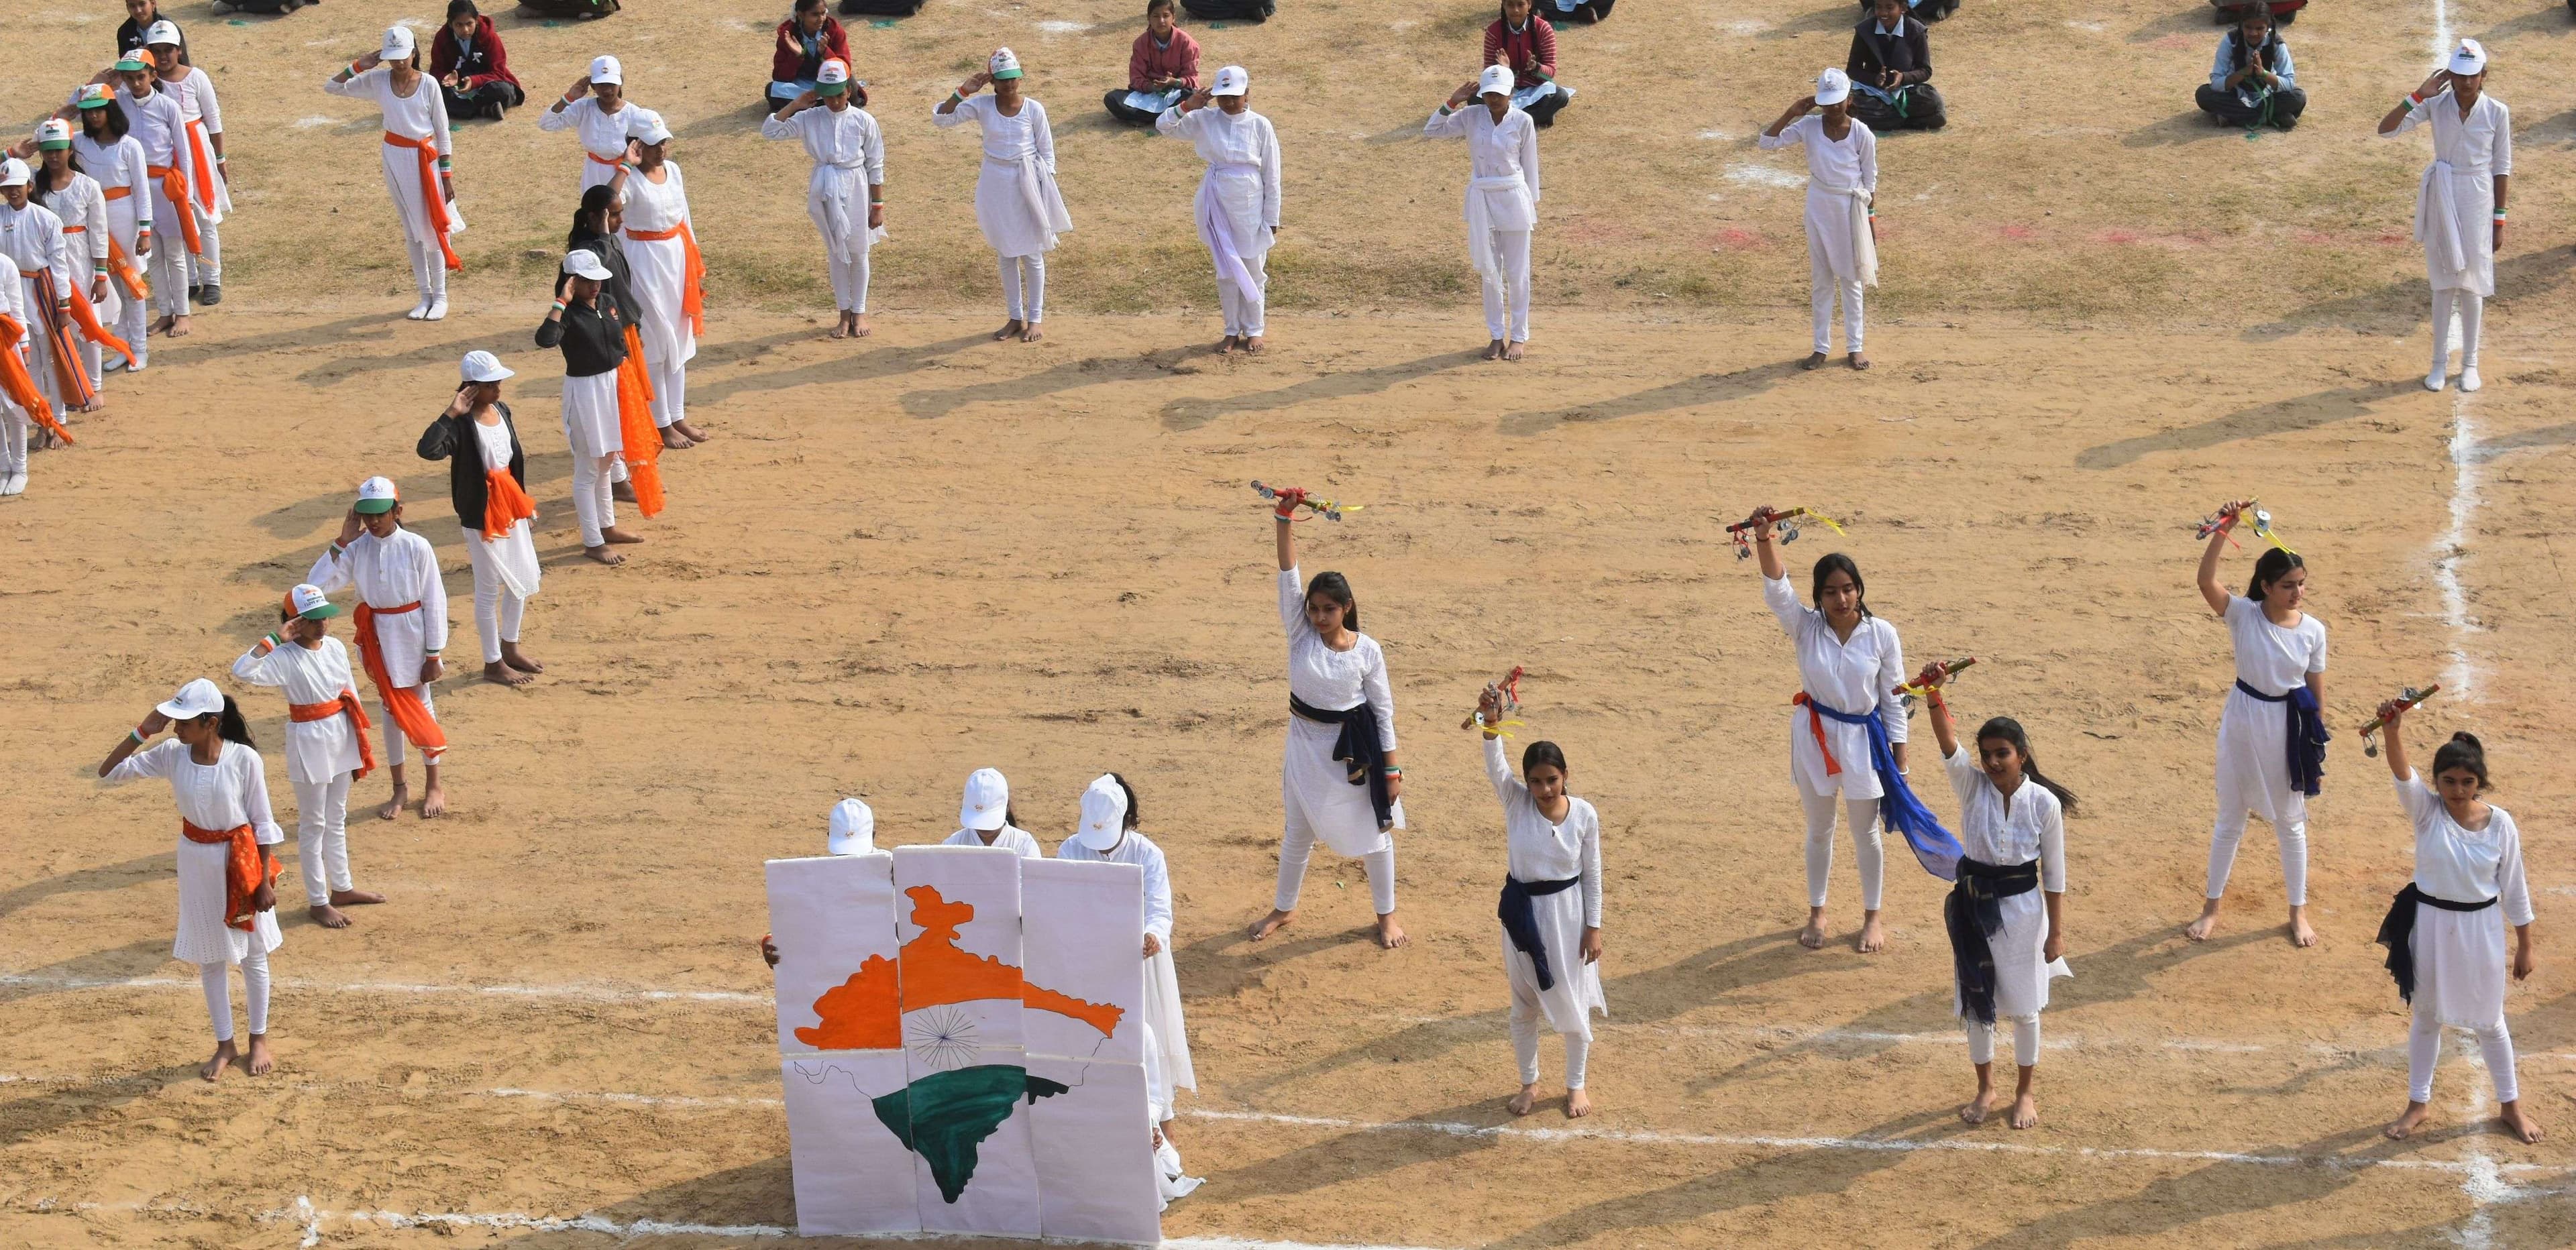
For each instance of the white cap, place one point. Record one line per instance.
(1833, 87)
(606, 69)
(1232, 80)
(398, 44)
(834, 70)
(380, 492)
(13, 173)
(481, 366)
(308, 601)
(581, 262)
(2469, 59)
(1104, 814)
(162, 33)
(988, 801)
(1496, 78)
(854, 829)
(646, 127)
(53, 132)
(1005, 63)
(197, 698)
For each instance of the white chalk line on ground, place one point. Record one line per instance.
(594, 993)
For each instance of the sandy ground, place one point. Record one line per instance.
(909, 557)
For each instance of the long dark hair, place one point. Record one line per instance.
(1337, 588)
(229, 724)
(2272, 567)
(71, 161)
(1543, 752)
(1130, 792)
(594, 207)
(462, 8)
(117, 126)
(2006, 729)
(1834, 562)
(2462, 751)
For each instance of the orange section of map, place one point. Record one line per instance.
(860, 1013)
(866, 1011)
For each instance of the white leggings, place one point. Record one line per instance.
(1526, 1017)
(1981, 1041)
(2424, 1046)
(1298, 845)
(322, 837)
(670, 394)
(497, 608)
(1032, 309)
(205, 268)
(2472, 310)
(428, 269)
(849, 281)
(219, 998)
(13, 438)
(1246, 311)
(394, 733)
(2293, 838)
(591, 501)
(1863, 816)
(1512, 249)
(167, 267)
(132, 321)
(1820, 274)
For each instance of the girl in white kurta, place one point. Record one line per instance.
(1842, 228)
(48, 263)
(66, 189)
(1851, 661)
(666, 272)
(2006, 941)
(1340, 779)
(2459, 206)
(112, 156)
(1237, 208)
(326, 744)
(2445, 938)
(488, 484)
(154, 113)
(1502, 200)
(845, 195)
(416, 155)
(227, 904)
(1551, 909)
(202, 130)
(985, 818)
(595, 109)
(1108, 835)
(1016, 201)
(2280, 683)
(402, 617)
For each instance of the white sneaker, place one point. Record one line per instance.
(437, 310)
(419, 310)
(2433, 380)
(14, 484)
(2469, 379)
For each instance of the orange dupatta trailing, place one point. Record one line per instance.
(21, 388)
(635, 426)
(305, 713)
(198, 145)
(119, 262)
(433, 205)
(85, 315)
(402, 702)
(174, 188)
(693, 280)
(242, 875)
(54, 321)
(505, 503)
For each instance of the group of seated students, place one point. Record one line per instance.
(2252, 83)
(1891, 70)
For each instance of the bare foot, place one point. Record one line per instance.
(2025, 1111)
(1512, 352)
(859, 325)
(1872, 937)
(2523, 1126)
(1813, 936)
(2199, 930)
(1226, 348)
(2301, 934)
(1033, 334)
(355, 898)
(616, 535)
(224, 1056)
(260, 1060)
(502, 674)
(393, 806)
(1252, 346)
(1577, 1104)
(688, 431)
(1814, 361)
(602, 554)
(1390, 934)
(328, 917)
(1010, 330)
(1494, 350)
(1861, 362)
(1521, 1102)
(841, 328)
(434, 803)
(674, 440)
(515, 658)
(2399, 1128)
(622, 492)
(162, 326)
(1271, 923)
(179, 328)
(1975, 1111)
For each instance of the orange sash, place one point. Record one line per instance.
(54, 321)
(635, 426)
(85, 314)
(506, 503)
(1816, 725)
(242, 875)
(19, 386)
(198, 146)
(403, 702)
(433, 205)
(611, 161)
(174, 188)
(122, 266)
(693, 281)
(306, 713)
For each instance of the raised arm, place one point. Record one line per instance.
(949, 113)
(1776, 135)
(2210, 591)
(258, 666)
(118, 768)
(1944, 732)
(2410, 111)
(1498, 769)
(2392, 740)
(348, 81)
(1448, 121)
(443, 437)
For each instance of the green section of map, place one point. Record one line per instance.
(946, 1116)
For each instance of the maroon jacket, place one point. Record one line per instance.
(1529, 51)
(1146, 63)
(489, 62)
(789, 63)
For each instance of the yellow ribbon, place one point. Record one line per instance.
(1496, 728)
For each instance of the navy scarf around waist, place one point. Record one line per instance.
(2397, 933)
(1898, 809)
(2307, 737)
(1520, 921)
(1358, 750)
(1974, 914)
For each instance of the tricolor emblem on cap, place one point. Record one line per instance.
(132, 62)
(377, 494)
(96, 95)
(308, 602)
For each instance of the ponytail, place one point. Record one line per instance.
(1128, 790)
(2008, 730)
(230, 725)
(2462, 751)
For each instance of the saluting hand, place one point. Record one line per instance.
(370, 61)
(1198, 99)
(2440, 79)
(463, 403)
(580, 88)
(349, 527)
(1466, 91)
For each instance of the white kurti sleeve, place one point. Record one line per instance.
(156, 760)
(2317, 662)
(1042, 136)
(1498, 770)
(69, 266)
(2419, 800)
(331, 571)
(1793, 133)
(1868, 147)
(965, 111)
(259, 666)
(95, 213)
(1380, 695)
(872, 159)
(2052, 845)
(254, 796)
(437, 120)
(772, 128)
(1529, 159)
(1172, 121)
(1158, 899)
(1592, 873)
(1292, 601)
(2419, 115)
(357, 87)
(1965, 775)
(2511, 888)
(1891, 674)
(1445, 123)
(1270, 176)
(432, 595)
(557, 119)
(138, 183)
(13, 300)
(2501, 162)
(1784, 605)
(202, 86)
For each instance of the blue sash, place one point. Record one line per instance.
(1898, 809)
(2307, 736)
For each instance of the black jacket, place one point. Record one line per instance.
(129, 36)
(593, 337)
(611, 252)
(451, 439)
(1907, 51)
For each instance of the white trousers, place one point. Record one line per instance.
(13, 437)
(94, 355)
(591, 501)
(133, 317)
(322, 838)
(166, 269)
(1512, 249)
(1981, 1042)
(2293, 838)
(1820, 274)
(2472, 310)
(206, 268)
(670, 395)
(849, 280)
(1863, 817)
(497, 608)
(2424, 1047)
(219, 998)
(394, 733)
(1526, 1017)
(428, 269)
(1024, 297)
(1296, 846)
(1246, 312)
